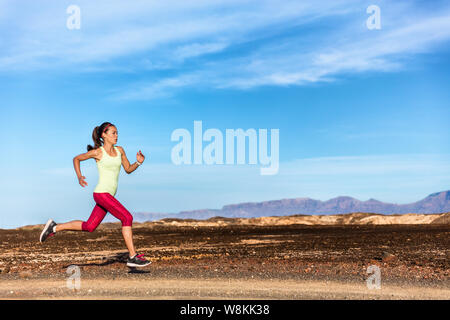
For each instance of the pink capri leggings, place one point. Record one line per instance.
(105, 202)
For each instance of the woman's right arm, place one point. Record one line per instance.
(76, 163)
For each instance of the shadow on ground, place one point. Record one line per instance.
(117, 258)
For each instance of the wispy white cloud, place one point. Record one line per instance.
(262, 42)
(197, 49)
(114, 29)
(160, 88)
(288, 63)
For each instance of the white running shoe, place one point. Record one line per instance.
(48, 230)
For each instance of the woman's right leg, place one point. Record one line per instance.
(97, 215)
(72, 225)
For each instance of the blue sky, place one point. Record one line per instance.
(361, 112)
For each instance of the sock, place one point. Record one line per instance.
(131, 257)
(54, 229)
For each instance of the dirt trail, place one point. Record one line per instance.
(210, 289)
(231, 262)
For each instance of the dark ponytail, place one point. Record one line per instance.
(97, 135)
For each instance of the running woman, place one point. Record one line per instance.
(109, 158)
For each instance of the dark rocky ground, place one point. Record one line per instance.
(407, 255)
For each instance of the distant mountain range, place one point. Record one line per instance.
(435, 203)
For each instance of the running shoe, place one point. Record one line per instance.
(48, 230)
(137, 260)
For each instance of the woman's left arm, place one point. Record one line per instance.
(129, 168)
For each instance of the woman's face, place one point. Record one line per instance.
(111, 135)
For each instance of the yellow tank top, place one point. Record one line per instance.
(108, 172)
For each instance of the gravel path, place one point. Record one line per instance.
(231, 262)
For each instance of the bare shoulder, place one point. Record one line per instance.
(93, 153)
(120, 149)
(97, 154)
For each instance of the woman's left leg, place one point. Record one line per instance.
(112, 205)
(127, 234)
